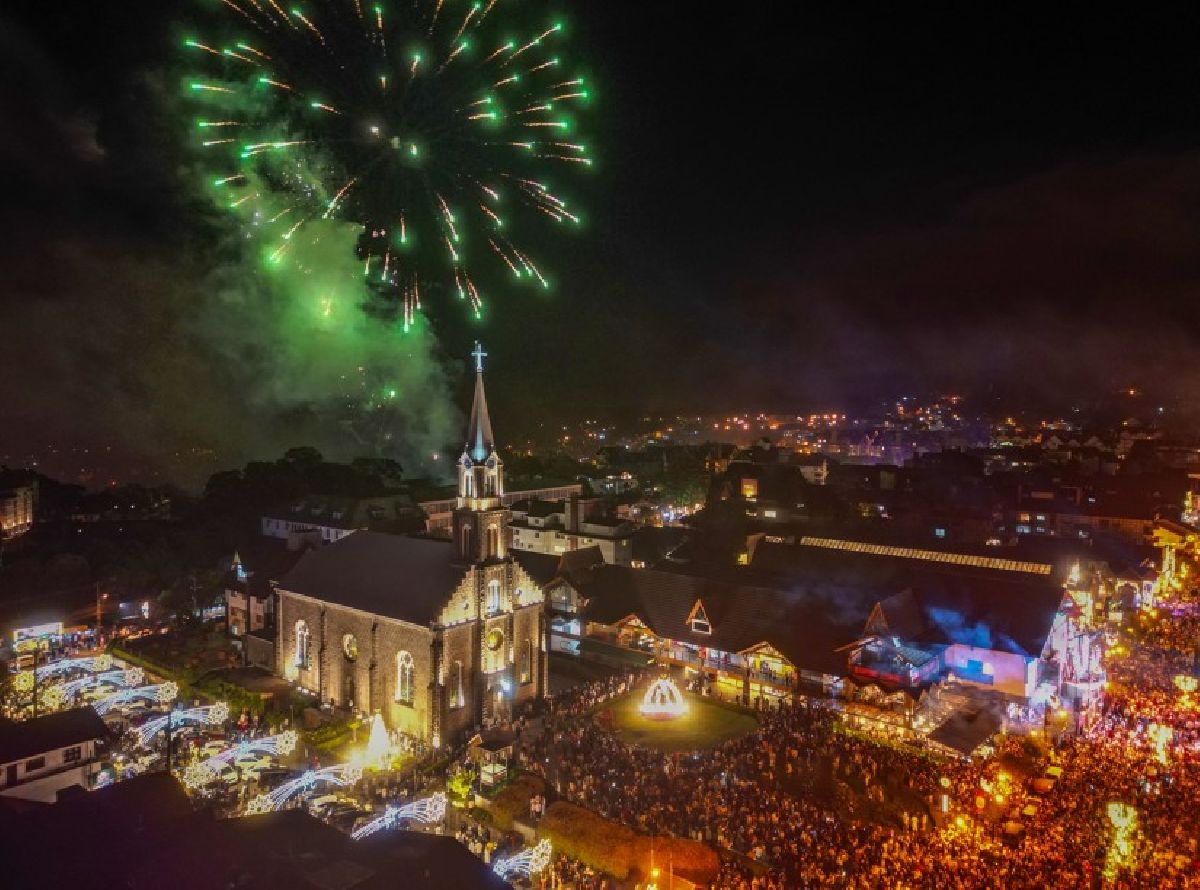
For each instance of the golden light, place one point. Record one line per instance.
(378, 745)
(1120, 851)
(1160, 736)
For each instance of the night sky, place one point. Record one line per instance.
(790, 209)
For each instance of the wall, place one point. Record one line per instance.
(1009, 673)
(335, 677)
(44, 783)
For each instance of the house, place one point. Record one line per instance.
(45, 755)
(560, 526)
(249, 584)
(328, 518)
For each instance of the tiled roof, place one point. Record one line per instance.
(406, 578)
(806, 624)
(49, 733)
(1004, 610)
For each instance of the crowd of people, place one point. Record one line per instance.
(802, 803)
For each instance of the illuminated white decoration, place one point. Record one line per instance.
(92, 664)
(163, 693)
(341, 776)
(427, 810)
(663, 701)
(212, 715)
(525, 864)
(378, 745)
(200, 774)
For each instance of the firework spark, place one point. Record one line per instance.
(391, 117)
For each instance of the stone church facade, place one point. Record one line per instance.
(436, 636)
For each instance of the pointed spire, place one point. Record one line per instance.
(479, 432)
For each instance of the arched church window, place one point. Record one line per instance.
(457, 693)
(301, 644)
(404, 677)
(493, 543)
(493, 601)
(526, 661)
(466, 540)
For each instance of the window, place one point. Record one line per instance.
(493, 596)
(493, 543)
(72, 755)
(769, 514)
(527, 661)
(302, 637)
(698, 619)
(457, 693)
(466, 540)
(749, 489)
(34, 764)
(404, 678)
(350, 647)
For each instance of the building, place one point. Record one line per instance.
(250, 585)
(17, 498)
(439, 514)
(45, 755)
(559, 526)
(825, 614)
(437, 635)
(329, 518)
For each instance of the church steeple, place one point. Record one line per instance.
(480, 469)
(480, 520)
(480, 442)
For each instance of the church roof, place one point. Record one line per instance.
(410, 579)
(480, 441)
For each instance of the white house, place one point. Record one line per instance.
(40, 757)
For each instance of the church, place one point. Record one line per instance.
(435, 635)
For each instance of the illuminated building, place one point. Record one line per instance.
(559, 526)
(17, 498)
(435, 635)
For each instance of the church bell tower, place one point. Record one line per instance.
(480, 518)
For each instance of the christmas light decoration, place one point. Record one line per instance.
(95, 664)
(211, 715)
(427, 810)
(340, 776)
(205, 772)
(162, 693)
(525, 864)
(663, 701)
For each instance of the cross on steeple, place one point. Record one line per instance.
(480, 355)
